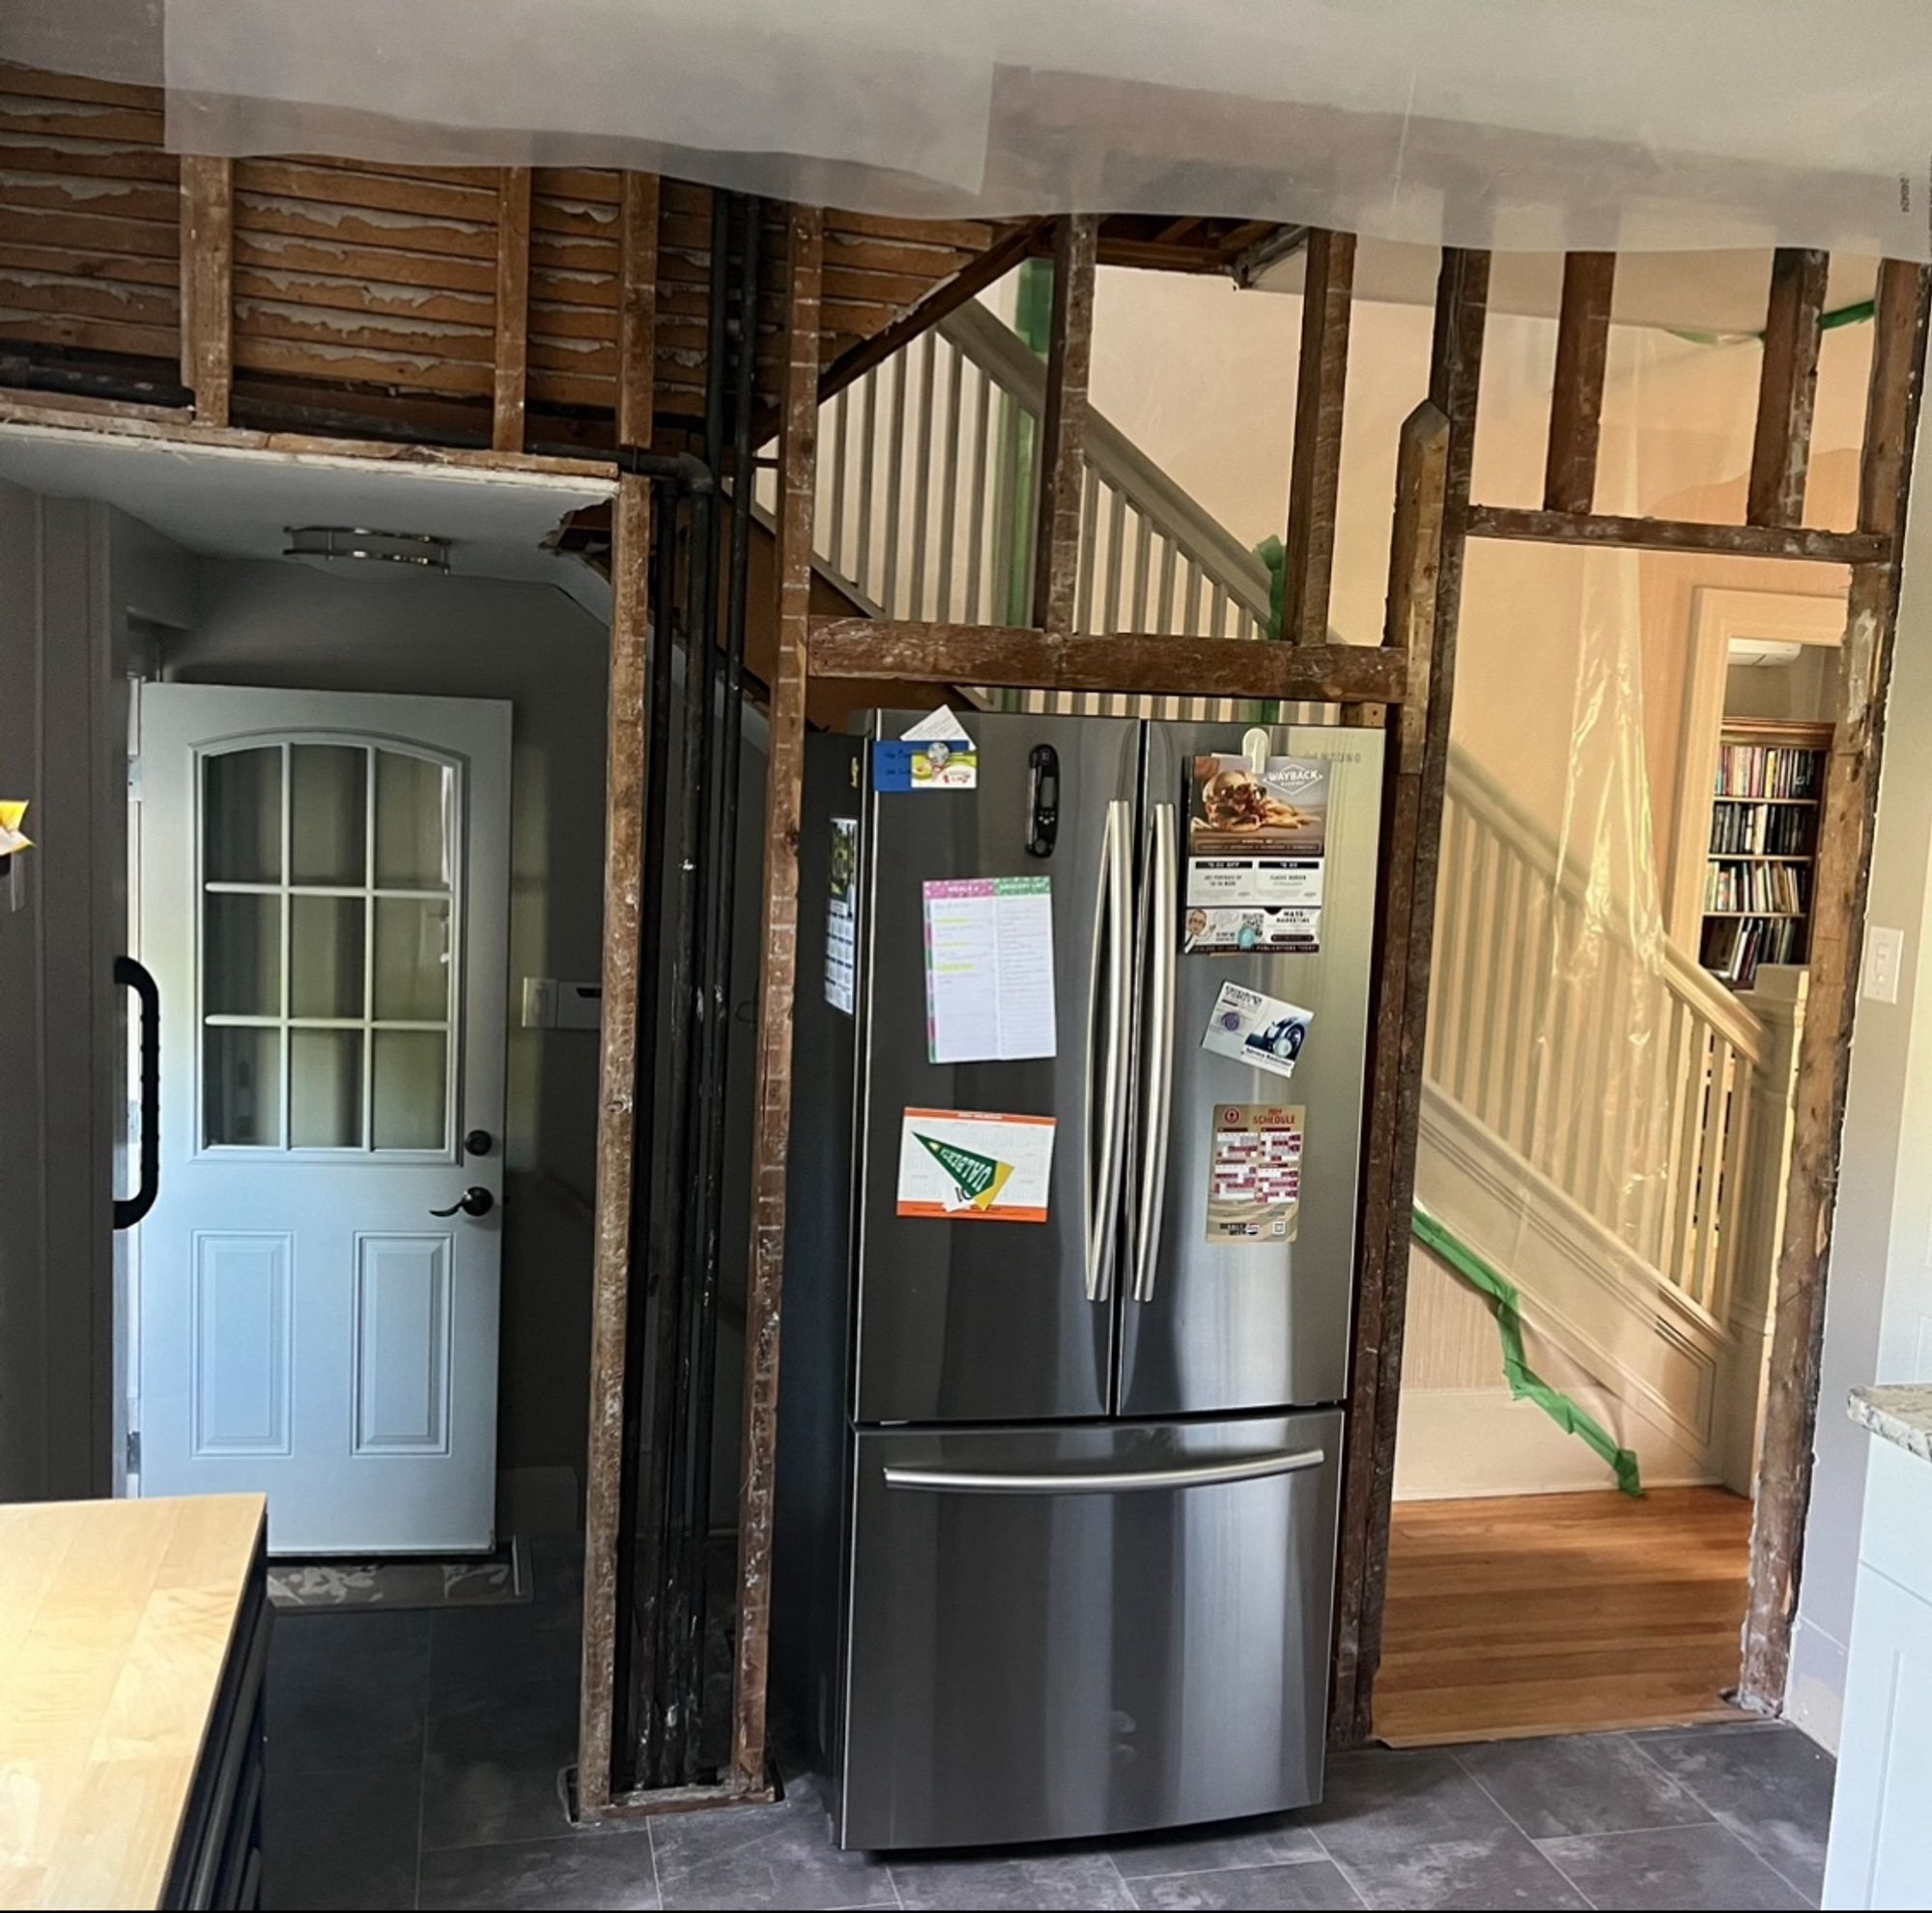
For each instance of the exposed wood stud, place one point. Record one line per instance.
(1315, 475)
(638, 309)
(798, 485)
(1064, 424)
(1411, 847)
(618, 1091)
(1123, 662)
(1576, 396)
(1787, 387)
(1673, 534)
(625, 785)
(512, 308)
(207, 285)
(1841, 878)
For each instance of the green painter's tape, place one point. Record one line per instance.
(1525, 1384)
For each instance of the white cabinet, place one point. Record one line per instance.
(1881, 1851)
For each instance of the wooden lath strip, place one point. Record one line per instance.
(1316, 472)
(798, 485)
(512, 339)
(1125, 662)
(1787, 387)
(207, 285)
(1577, 395)
(1839, 885)
(623, 955)
(1063, 433)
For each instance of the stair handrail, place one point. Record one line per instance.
(997, 350)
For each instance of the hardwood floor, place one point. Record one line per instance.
(1557, 1613)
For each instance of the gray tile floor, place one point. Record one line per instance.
(413, 1760)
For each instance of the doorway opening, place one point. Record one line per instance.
(362, 830)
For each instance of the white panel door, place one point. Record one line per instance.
(324, 898)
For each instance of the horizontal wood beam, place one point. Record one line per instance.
(164, 425)
(1675, 534)
(1006, 655)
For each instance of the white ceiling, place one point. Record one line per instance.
(234, 504)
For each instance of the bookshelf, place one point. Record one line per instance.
(1759, 876)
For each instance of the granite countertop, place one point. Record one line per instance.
(1900, 1413)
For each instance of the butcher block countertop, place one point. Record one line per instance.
(115, 1624)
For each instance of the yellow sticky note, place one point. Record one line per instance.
(12, 811)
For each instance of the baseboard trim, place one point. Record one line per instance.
(1465, 1443)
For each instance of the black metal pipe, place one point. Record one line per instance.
(685, 1085)
(641, 1502)
(722, 899)
(684, 469)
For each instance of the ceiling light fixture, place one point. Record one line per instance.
(342, 544)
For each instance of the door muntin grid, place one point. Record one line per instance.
(328, 936)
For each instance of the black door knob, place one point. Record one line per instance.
(473, 1201)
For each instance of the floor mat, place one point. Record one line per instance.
(498, 1580)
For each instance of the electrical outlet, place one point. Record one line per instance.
(1884, 959)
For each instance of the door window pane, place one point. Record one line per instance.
(241, 812)
(414, 830)
(410, 1071)
(241, 961)
(328, 813)
(411, 959)
(326, 955)
(324, 1089)
(241, 1087)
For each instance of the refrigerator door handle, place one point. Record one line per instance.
(1157, 1051)
(1203, 1474)
(1110, 921)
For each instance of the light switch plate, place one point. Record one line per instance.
(1884, 959)
(539, 1003)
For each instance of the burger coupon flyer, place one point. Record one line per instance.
(1256, 845)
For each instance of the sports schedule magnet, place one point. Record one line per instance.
(964, 1165)
(1254, 1183)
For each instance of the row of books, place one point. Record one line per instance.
(1761, 830)
(1734, 946)
(1774, 888)
(1767, 770)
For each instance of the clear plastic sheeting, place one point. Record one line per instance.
(1642, 125)
(1601, 1111)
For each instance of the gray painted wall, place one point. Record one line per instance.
(283, 624)
(79, 584)
(1878, 1318)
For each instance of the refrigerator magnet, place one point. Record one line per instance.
(1254, 1180)
(1257, 852)
(989, 969)
(1257, 1029)
(842, 921)
(965, 1165)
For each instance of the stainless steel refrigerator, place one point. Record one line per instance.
(1057, 1498)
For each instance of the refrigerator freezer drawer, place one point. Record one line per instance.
(1064, 1631)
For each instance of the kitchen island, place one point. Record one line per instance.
(133, 1635)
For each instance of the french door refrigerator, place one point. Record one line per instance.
(1060, 1452)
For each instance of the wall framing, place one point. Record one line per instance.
(1406, 684)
